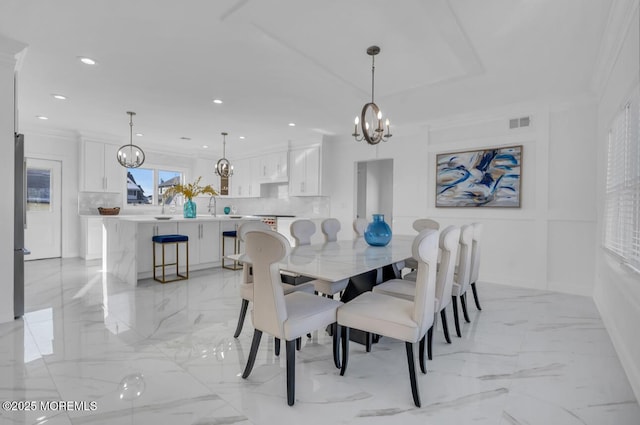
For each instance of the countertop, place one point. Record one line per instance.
(177, 218)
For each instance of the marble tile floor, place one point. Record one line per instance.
(166, 354)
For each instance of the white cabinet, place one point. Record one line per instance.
(304, 171)
(101, 170)
(244, 181)
(145, 245)
(91, 238)
(204, 241)
(273, 168)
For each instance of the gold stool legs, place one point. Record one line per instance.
(164, 264)
(236, 250)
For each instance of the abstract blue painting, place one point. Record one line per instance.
(482, 178)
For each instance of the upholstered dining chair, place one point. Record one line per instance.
(302, 231)
(475, 261)
(330, 228)
(463, 274)
(406, 289)
(246, 287)
(286, 317)
(419, 225)
(393, 317)
(359, 226)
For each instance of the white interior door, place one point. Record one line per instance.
(44, 193)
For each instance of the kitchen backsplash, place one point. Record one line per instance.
(88, 202)
(274, 201)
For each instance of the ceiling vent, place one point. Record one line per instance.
(519, 122)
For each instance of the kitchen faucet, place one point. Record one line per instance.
(213, 213)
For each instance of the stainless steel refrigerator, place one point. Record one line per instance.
(20, 222)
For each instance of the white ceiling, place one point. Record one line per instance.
(280, 61)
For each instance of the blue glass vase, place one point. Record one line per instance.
(378, 232)
(189, 209)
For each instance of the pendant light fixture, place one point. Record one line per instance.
(370, 120)
(130, 156)
(224, 167)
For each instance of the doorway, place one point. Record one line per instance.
(42, 235)
(374, 189)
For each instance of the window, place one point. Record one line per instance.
(622, 193)
(148, 185)
(38, 189)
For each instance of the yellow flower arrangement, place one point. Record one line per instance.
(191, 190)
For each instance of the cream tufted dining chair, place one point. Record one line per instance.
(246, 287)
(463, 274)
(406, 289)
(330, 228)
(286, 317)
(302, 231)
(359, 226)
(419, 225)
(475, 261)
(393, 317)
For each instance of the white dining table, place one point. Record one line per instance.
(335, 261)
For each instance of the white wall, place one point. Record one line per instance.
(545, 243)
(617, 288)
(8, 49)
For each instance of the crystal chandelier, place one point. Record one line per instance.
(224, 167)
(130, 156)
(370, 120)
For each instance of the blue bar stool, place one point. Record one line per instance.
(231, 234)
(165, 240)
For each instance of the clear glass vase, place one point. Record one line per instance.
(378, 232)
(189, 209)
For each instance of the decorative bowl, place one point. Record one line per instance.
(109, 211)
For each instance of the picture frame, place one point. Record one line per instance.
(489, 177)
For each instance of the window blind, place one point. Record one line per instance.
(622, 192)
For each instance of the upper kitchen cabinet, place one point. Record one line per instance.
(304, 171)
(244, 181)
(101, 171)
(273, 167)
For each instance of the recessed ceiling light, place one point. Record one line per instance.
(59, 96)
(139, 134)
(242, 137)
(41, 117)
(87, 61)
(292, 124)
(205, 146)
(217, 101)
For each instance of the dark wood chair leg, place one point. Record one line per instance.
(255, 343)
(454, 303)
(368, 342)
(345, 349)
(445, 326)
(298, 343)
(276, 346)
(429, 341)
(336, 330)
(243, 313)
(463, 301)
(291, 372)
(475, 295)
(412, 374)
(423, 367)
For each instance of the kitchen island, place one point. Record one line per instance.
(128, 249)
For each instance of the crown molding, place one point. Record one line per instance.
(11, 52)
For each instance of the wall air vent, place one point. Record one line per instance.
(519, 122)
